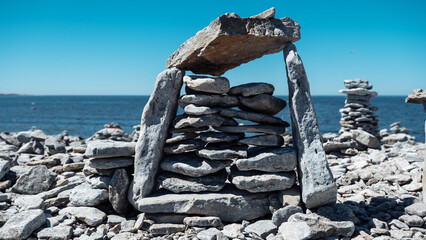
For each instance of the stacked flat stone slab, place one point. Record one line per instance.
(208, 138)
(106, 175)
(358, 112)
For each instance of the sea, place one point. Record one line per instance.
(84, 115)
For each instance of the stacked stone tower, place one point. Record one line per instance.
(358, 112)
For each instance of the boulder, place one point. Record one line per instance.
(156, 119)
(36, 180)
(107, 149)
(315, 177)
(21, 225)
(242, 204)
(117, 191)
(252, 89)
(192, 165)
(270, 160)
(254, 181)
(262, 103)
(217, 85)
(230, 41)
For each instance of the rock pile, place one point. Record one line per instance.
(111, 131)
(208, 139)
(358, 112)
(396, 134)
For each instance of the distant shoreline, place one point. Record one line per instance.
(13, 94)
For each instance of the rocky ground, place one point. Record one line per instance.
(51, 189)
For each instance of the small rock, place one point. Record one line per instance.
(38, 179)
(164, 228)
(21, 225)
(418, 209)
(4, 167)
(191, 109)
(202, 222)
(282, 215)
(291, 196)
(233, 231)
(269, 160)
(86, 196)
(218, 85)
(253, 181)
(110, 163)
(107, 149)
(211, 234)
(252, 89)
(208, 100)
(296, 231)
(90, 215)
(263, 140)
(365, 139)
(57, 233)
(117, 191)
(261, 228)
(29, 202)
(179, 183)
(219, 152)
(262, 103)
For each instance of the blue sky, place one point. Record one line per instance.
(119, 47)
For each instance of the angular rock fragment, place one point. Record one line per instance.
(255, 182)
(90, 215)
(180, 183)
(315, 178)
(192, 165)
(230, 41)
(270, 160)
(261, 228)
(86, 196)
(117, 191)
(58, 233)
(252, 89)
(107, 149)
(183, 146)
(38, 179)
(21, 225)
(262, 103)
(217, 85)
(366, 139)
(181, 137)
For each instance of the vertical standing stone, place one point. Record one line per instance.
(315, 178)
(156, 119)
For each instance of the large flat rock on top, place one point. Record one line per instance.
(230, 41)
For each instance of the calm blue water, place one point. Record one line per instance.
(84, 115)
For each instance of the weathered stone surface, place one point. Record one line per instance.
(117, 191)
(192, 165)
(181, 137)
(233, 230)
(282, 214)
(267, 129)
(156, 119)
(36, 180)
(4, 167)
(222, 152)
(90, 215)
(270, 13)
(210, 234)
(365, 139)
(85, 195)
(218, 85)
(261, 228)
(418, 96)
(107, 149)
(315, 178)
(26, 136)
(254, 181)
(191, 109)
(166, 228)
(28, 202)
(219, 137)
(263, 140)
(55, 144)
(56, 233)
(202, 222)
(21, 225)
(242, 205)
(183, 146)
(251, 116)
(332, 146)
(291, 196)
(184, 121)
(188, 130)
(230, 41)
(270, 160)
(296, 231)
(179, 183)
(418, 209)
(110, 163)
(262, 103)
(208, 100)
(252, 89)
(359, 91)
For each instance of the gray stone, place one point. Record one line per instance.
(412, 220)
(26, 136)
(191, 109)
(242, 205)
(55, 144)
(211, 234)
(219, 137)
(29, 202)
(113, 220)
(202, 222)
(251, 116)
(263, 140)
(180, 183)
(166, 217)
(315, 178)
(97, 181)
(184, 146)
(282, 215)
(233, 230)
(183, 121)
(56, 233)
(181, 137)
(117, 191)
(90, 215)
(110, 163)
(261, 228)
(332, 146)
(21, 225)
(192, 165)
(252, 89)
(222, 152)
(208, 100)
(156, 119)
(291, 196)
(418, 209)
(84, 195)
(128, 226)
(10, 138)
(270, 160)
(36, 180)
(218, 85)
(188, 129)
(262, 103)
(230, 41)
(296, 231)
(254, 182)
(365, 139)
(260, 128)
(166, 228)
(107, 149)
(4, 167)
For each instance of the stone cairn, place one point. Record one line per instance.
(208, 139)
(358, 112)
